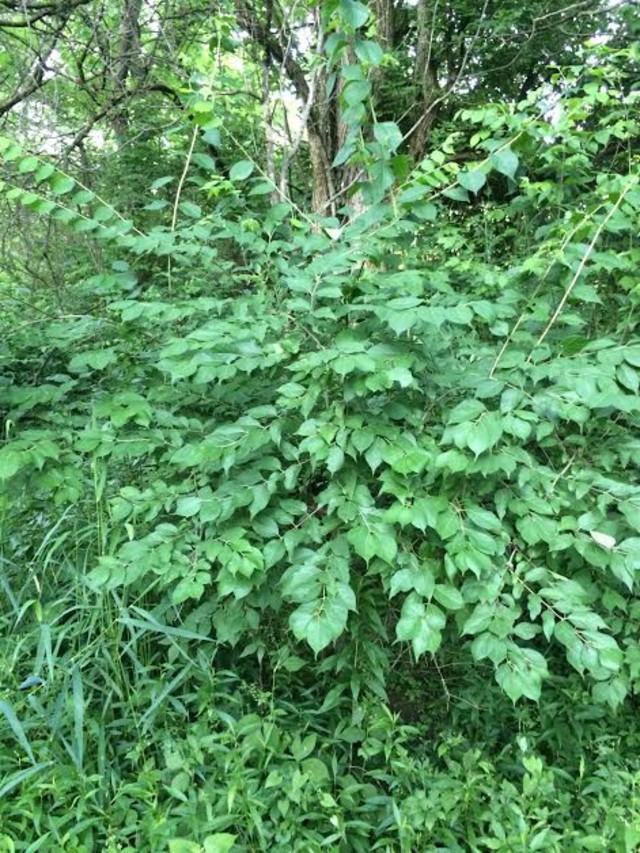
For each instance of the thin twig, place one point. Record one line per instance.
(176, 202)
(582, 265)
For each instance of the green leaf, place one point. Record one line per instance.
(183, 845)
(347, 150)
(632, 355)
(456, 193)
(335, 459)
(191, 586)
(301, 582)
(369, 53)
(479, 620)
(468, 410)
(61, 184)
(421, 624)
(354, 14)
(334, 43)
(241, 170)
(418, 578)
(219, 842)
(373, 455)
(161, 182)
(505, 162)
(16, 779)
(487, 645)
(355, 93)
(94, 359)
(362, 439)
(473, 180)
(11, 460)
(188, 506)
(516, 684)
(212, 136)
(612, 693)
(261, 498)
(319, 622)
(374, 540)
(191, 209)
(448, 596)
(628, 377)
(6, 709)
(45, 171)
(29, 164)
(484, 434)
(388, 134)
(425, 211)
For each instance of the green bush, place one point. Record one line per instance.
(315, 465)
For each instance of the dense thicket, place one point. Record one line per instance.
(319, 372)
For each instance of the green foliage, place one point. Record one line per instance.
(303, 461)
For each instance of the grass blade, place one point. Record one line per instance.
(16, 728)
(21, 776)
(78, 717)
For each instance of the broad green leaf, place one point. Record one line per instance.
(45, 171)
(261, 498)
(344, 153)
(334, 43)
(517, 683)
(219, 842)
(188, 506)
(448, 596)
(161, 182)
(61, 184)
(473, 180)
(191, 209)
(28, 164)
(388, 134)
(335, 459)
(373, 454)
(362, 439)
(374, 540)
(483, 518)
(613, 693)
(355, 93)
(241, 170)
(94, 359)
(468, 410)
(505, 162)
(421, 624)
(628, 377)
(424, 210)
(183, 845)
(11, 460)
(484, 434)
(83, 197)
(301, 583)
(487, 645)
(418, 578)
(369, 52)
(603, 539)
(319, 622)
(354, 14)
(456, 193)
(632, 355)
(212, 136)
(479, 620)
(190, 587)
